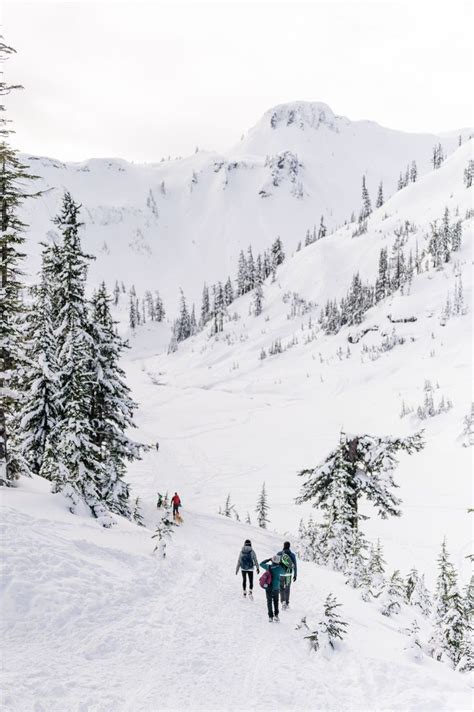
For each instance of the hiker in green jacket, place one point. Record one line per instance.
(273, 591)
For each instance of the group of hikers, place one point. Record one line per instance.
(280, 570)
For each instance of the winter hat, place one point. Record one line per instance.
(276, 559)
(286, 545)
(247, 542)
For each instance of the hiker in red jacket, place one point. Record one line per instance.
(176, 502)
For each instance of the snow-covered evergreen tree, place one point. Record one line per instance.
(277, 253)
(366, 204)
(14, 179)
(228, 292)
(219, 309)
(262, 509)
(357, 560)
(242, 278)
(394, 595)
(258, 300)
(469, 173)
(160, 312)
(330, 629)
(373, 583)
(183, 323)
(413, 172)
(414, 645)
(132, 311)
(452, 633)
(250, 272)
(437, 156)
(163, 533)
(360, 466)
(380, 199)
(73, 459)
(205, 306)
(322, 229)
(382, 285)
(112, 408)
(116, 293)
(416, 592)
(38, 415)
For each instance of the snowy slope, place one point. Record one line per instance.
(298, 162)
(93, 622)
(227, 421)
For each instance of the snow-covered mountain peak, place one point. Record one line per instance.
(302, 115)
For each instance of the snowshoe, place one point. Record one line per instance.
(276, 619)
(251, 594)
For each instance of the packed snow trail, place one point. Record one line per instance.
(93, 622)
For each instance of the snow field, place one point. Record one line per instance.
(94, 622)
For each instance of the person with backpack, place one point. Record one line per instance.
(176, 502)
(246, 562)
(288, 561)
(270, 581)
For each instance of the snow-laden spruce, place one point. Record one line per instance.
(14, 180)
(75, 420)
(359, 466)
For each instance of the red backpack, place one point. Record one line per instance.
(265, 579)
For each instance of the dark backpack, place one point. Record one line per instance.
(265, 579)
(246, 561)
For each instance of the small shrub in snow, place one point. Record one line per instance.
(262, 509)
(136, 514)
(163, 532)
(329, 630)
(468, 430)
(394, 595)
(414, 646)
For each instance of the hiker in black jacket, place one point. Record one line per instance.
(247, 561)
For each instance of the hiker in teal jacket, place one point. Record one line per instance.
(273, 591)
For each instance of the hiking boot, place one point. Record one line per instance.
(270, 620)
(244, 593)
(285, 606)
(250, 594)
(276, 619)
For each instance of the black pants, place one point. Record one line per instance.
(244, 579)
(285, 590)
(272, 601)
(176, 509)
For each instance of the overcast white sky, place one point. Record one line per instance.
(142, 80)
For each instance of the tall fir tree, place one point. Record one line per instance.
(14, 179)
(112, 407)
(38, 416)
(72, 459)
(359, 466)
